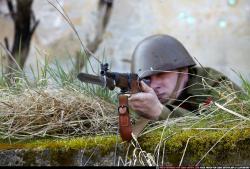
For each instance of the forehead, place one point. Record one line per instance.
(163, 73)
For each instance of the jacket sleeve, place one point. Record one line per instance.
(171, 111)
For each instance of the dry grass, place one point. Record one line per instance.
(56, 113)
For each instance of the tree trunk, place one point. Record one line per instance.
(25, 25)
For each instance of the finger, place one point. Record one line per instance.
(145, 87)
(137, 97)
(137, 107)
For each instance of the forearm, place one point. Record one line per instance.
(170, 111)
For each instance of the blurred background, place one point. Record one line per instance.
(215, 32)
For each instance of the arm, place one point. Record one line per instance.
(147, 105)
(170, 111)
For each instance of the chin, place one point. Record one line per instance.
(163, 97)
(163, 101)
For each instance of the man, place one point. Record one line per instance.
(177, 88)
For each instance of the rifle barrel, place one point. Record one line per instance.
(98, 80)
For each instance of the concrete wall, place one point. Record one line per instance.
(217, 33)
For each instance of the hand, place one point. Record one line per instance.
(146, 103)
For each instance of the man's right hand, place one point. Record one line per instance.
(146, 103)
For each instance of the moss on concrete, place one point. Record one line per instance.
(199, 144)
(103, 143)
(173, 144)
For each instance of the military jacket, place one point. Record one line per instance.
(200, 91)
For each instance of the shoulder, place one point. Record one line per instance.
(206, 72)
(210, 76)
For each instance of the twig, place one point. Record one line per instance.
(11, 56)
(205, 128)
(217, 143)
(231, 112)
(184, 151)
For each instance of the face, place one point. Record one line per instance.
(164, 84)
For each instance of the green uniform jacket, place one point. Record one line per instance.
(199, 91)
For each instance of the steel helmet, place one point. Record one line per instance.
(159, 53)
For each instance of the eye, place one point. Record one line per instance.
(147, 81)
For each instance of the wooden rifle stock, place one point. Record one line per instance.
(129, 83)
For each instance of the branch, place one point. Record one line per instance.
(11, 9)
(6, 43)
(34, 27)
(36, 22)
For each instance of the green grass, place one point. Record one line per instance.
(57, 76)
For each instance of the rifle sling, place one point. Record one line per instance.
(125, 128)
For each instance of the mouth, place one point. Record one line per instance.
(160, 96)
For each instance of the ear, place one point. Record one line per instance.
(184, 70)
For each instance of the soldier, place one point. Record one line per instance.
(177, 86)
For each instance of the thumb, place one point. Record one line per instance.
(145, 87)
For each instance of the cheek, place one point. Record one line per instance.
(169, 84)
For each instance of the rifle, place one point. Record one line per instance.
(129, 83)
